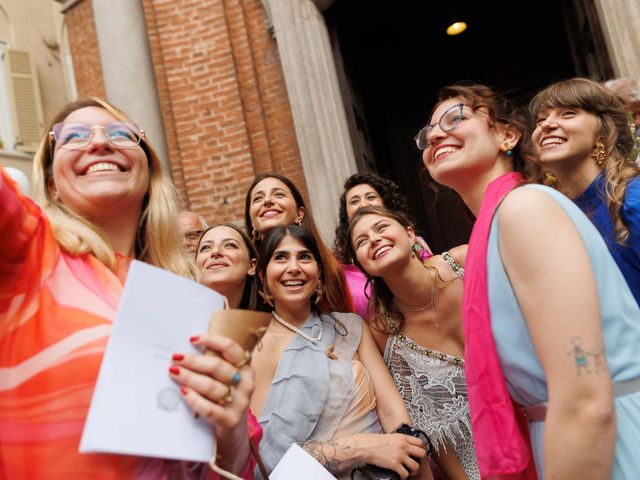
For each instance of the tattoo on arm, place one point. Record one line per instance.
(336, 456)
(587, 360)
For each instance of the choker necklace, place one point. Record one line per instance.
(295, 329)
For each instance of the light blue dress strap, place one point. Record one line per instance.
(620, 318)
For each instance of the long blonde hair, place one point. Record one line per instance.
(157, 239)
(615, 133)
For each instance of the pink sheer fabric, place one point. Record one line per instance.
(501, 449)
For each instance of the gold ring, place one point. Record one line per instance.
(245, 361)
(227, 397)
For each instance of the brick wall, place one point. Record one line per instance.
(223, 98)
(83, 43)
(224, 101)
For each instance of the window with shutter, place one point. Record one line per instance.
(7, 135)
(24, 95)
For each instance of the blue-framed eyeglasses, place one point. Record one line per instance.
(449, 120)
(78, 135)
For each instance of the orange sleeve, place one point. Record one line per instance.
(27, 247)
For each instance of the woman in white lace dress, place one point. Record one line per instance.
(417, 324)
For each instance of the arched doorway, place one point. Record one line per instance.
(393, 57)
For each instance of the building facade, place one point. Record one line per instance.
(229, 89)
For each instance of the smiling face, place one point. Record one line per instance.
(223, 260)
(565, 136)
(101, 177)
(272, 205)
(363, 195)
(381, 244)
(465, 151)
(292, 274)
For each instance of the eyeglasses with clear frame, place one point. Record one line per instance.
(449, 120)
(78, 135)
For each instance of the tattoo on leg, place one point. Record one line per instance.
(336, 457)
(595, 364)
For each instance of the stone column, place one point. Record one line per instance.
(620, 20)
(127, 68)
(316, 104)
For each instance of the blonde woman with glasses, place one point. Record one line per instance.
(104, 200)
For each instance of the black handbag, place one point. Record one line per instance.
(374, 472)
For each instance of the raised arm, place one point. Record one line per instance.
(390, 406)
(547, 263)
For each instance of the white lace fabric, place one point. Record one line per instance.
(434, 390)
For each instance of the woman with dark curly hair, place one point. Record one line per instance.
(365, 190)
(585, 138)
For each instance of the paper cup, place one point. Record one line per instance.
(245, 327)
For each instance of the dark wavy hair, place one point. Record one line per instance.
(615, 133)
(391, 196)
(500, 112)
(336, 289)
(304, 236)
(250, 299)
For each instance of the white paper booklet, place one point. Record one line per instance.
(136, 408)
(297, 463)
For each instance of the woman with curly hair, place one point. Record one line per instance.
(365, 190)
(584, 137)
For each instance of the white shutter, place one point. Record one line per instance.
(24, 94)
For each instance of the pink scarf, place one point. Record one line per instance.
(500, 445)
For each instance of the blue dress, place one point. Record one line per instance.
(621, 330)
(594, 204)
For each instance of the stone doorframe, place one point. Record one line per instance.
(317, 107)
(620, 20)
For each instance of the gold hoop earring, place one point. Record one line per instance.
(599, 153)
(256, 235)
(298, 222)
(266, 296)
(318, 293)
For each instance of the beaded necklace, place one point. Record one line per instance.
(295, 329)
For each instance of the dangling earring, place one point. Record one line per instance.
(507, 149)
(599, 153)
(266, 296)
(298, 222)
(415, 249)
(318, 293)
(256, 235)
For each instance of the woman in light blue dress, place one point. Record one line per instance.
(550, 323)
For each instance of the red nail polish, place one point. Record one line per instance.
(183, 389)
(177, 357)
(175, 370)
(194, 338)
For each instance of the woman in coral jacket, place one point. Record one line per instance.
(104, 200)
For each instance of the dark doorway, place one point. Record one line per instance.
(393, 57)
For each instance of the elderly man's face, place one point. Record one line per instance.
(191, 227)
